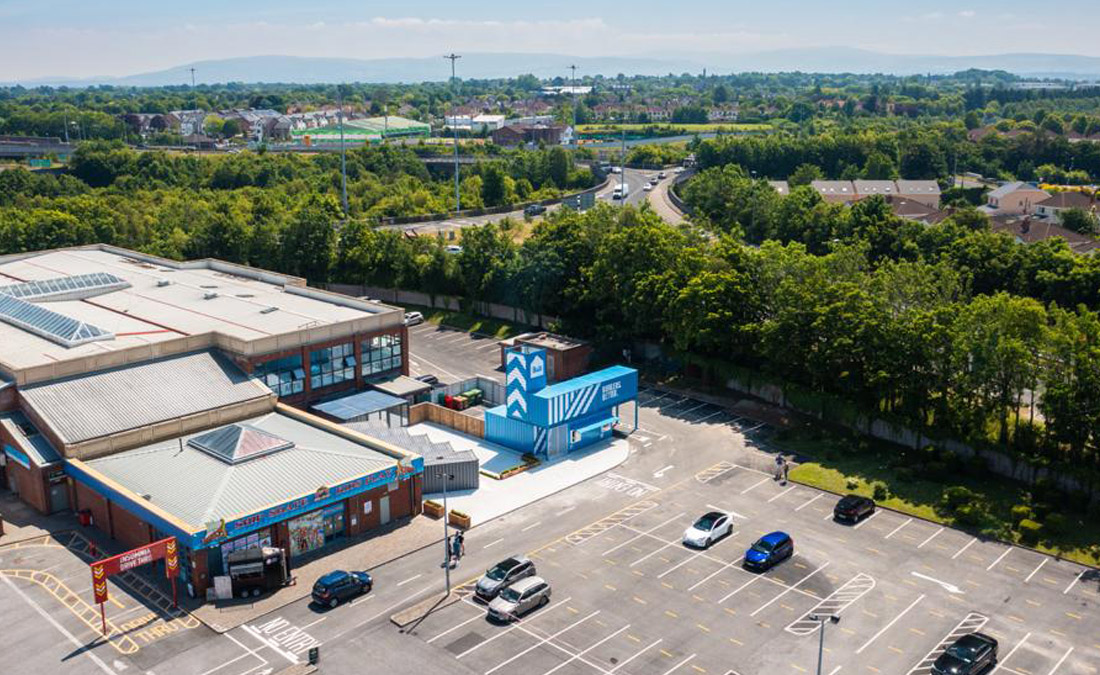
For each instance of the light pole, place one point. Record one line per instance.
(574, 92)
(454, 128)
(821, 619)
(446, 533)
(622, 167)
(343, 155)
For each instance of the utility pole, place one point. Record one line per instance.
(821, 619)
(446, 534)
(622, 168)
(343, 154)
(192, 77)
(454, 128)
(574, 90)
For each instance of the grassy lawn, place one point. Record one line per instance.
(685, 128)
(470, 322)
(915, 483)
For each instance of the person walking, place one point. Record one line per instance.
(786, 470)
(779, 461)
(458, 547)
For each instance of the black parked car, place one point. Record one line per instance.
(533, 210)
(969, 655)
(336, 587)
(853, 508)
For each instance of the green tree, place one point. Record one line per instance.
(1079, 220)
(805, 174)
(309, 244)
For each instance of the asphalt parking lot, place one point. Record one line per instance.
(630, 598)
(451, 354)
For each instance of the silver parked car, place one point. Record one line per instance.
(519, 598)
(503, 574)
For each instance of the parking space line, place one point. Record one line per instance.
(999, 559)
(688, 412)
(584, 651)
(763, 480)
(1061, 661)
(931, 537)
(437, 367)
(972, 622)
(866, 520)
(515, 625)
(837, 601)
(714, 574)
(815, 498)
(475, 617)
(640, 652)
(1041, 563)
(968, 545)
(739, 589)
(543, 641)
(1073, 583)
(890, 625)
(639, 536)
(689, 559)
(413, 578)
(531, 526)
(675, 667)
(898, 528)
(1001, 663)
(713, 414)
(493, 543)
(790, 588)
(781, 494)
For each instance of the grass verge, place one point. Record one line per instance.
(944, 489)
(471, 323)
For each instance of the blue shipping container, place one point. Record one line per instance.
(509, 432)
(583, 395)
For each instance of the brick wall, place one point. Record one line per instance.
(129, 530)
(97, 504)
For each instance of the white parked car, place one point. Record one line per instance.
(648, 187)
(413, 318)
(708, 529)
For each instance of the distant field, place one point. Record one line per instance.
(683, 128)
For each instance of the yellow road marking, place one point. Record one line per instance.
(671, 614)
(702, 628)
(737, 642)
(610, 587)
(639, 600)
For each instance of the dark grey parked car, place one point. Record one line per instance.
(502, 575)
(969, 655)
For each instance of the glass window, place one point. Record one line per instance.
(329, 366)
(283, 376)
(381, 354)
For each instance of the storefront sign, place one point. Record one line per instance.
(101, 569)
(322, 497)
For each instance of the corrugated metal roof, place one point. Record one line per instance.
(111, 401)
(197, 488)
(356, 405)
(36, 445)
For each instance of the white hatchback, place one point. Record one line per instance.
(708, 529)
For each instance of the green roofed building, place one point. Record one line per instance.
(364, 131)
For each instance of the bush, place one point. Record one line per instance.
(970, 514)
(1056, 523)
(881, 493)
(852, 484)
(957, 496)
(1020, 512)
(1029, 531)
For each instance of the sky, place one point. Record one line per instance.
(88, 38)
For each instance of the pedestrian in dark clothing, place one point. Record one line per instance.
(786, 470)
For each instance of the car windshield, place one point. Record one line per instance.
(763, 546)
(510, 595)
(706, 522)
(500, 571)
(962, 651)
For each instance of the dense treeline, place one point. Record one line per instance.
(928, 338)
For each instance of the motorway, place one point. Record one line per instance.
(628, 598)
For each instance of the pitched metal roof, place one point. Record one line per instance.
(238, 443)
(359, 404)
(198, 488)
(99, 404)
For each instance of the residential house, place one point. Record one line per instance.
(1027, 230)
(911, 209)
(926, 192)
(871, 188)
(727, 112)
(186, 122)
(835, 191)
(518, 134)
(1014, 198)
(781, 186)
(1050, 209)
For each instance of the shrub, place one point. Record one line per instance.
(1029, 531)
(1041, 510)
(1020, 512)
(1056, 523)
(881, 493)
(906, 474)
(956, 496)
(852, 484)
(970, 514)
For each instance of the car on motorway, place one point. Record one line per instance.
(616, 169)
(708, 529)
(413, 318)
(338, 586)
(648, 187)
(519, 598)
(533, 210)
(502, 575)
(853, 508)
(662, 176)
(969, 655)
(768, 551)
(428, 379)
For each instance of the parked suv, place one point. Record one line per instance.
(519, 598)
(969, 655)
(853, 508)
(503, 574)
(336, 587)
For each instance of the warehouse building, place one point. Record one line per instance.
(364, 131)
(552, 421)
(160, 398)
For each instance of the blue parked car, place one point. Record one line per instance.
(335, 587)
(769, 550)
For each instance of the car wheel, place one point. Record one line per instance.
(332, 603)
(545, 599)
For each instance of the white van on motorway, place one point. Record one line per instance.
(621, 191)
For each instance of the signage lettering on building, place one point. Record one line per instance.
(611, 390)
(101, 569)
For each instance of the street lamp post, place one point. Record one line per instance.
(821, 619)
(454, 128)
(446, 533)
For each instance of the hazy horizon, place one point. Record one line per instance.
(62, 38)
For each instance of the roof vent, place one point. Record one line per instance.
(209, 295)
(269, 310)
(161, 283)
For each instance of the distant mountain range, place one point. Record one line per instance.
(312, 70)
